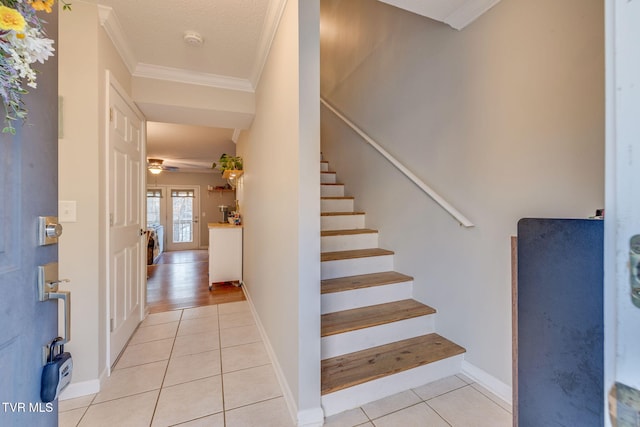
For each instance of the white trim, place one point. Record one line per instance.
(417, 181)
(236, 135)
(83, 388)
(160, 72)
(468, 12)
(311, 418)
(457, 17)
(306, 418)
(271, 23)
(491, 383)
(80, 389)
(112, 27)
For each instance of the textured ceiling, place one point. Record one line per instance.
(231, 29)
(152, 32)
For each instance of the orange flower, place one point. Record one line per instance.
(10, 19)
(42, 5)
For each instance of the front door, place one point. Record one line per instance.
(183, 230)
(127, 256)
(28, 189)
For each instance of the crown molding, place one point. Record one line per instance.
(192, 77)
(269, 28)
(468, 12)
(111, 25)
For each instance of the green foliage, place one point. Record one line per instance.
(228, 163)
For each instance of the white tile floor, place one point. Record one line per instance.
(207, 366)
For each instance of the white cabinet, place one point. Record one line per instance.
(225, 253)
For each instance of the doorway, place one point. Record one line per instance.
(175, 208)
(183, 208)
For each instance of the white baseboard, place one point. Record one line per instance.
(311, 418)
(83, 388)
(491, 383)
(305, 418)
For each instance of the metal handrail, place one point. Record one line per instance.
(464, 221)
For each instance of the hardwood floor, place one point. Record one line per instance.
(180, 280)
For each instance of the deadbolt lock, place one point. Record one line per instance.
(48, 230)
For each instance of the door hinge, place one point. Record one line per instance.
(110, 325)
(110, 114)
(111, 219)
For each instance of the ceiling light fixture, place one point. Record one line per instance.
(154, 166)
(193, 38)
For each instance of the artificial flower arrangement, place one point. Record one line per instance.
(22, 42)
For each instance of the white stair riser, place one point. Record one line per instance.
(355, 266)
(336, 205)
(361, 394)
(349, 242)
(331, 190)
(324, 167)
(341, 222)
(356, 298)
(327, 178)
(361, 339)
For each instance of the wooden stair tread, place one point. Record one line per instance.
(373, 315)
(360, 281)
(327, 233)
(329, 172)
(356, 368)
(356, 253)
(340, 213)
(331, 183)
(337, 198)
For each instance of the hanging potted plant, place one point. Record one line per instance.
(231, 166)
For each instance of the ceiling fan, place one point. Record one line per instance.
(155, 166)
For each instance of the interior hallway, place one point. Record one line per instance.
(207, 366)
(179, 280)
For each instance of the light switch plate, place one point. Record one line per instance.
(67, 211)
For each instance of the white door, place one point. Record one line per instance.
(125, 177)
(622, 208)
(183, 230)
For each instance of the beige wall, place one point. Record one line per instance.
(280, 201)
(83, 61)
(79, 180)
(505, 119)
(209, 200)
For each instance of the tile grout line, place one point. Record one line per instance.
(155, 407)
(438, 413)
(224, 408)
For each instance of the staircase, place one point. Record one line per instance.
(376, 339)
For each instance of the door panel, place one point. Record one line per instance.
(28, 189)
(126, 283)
